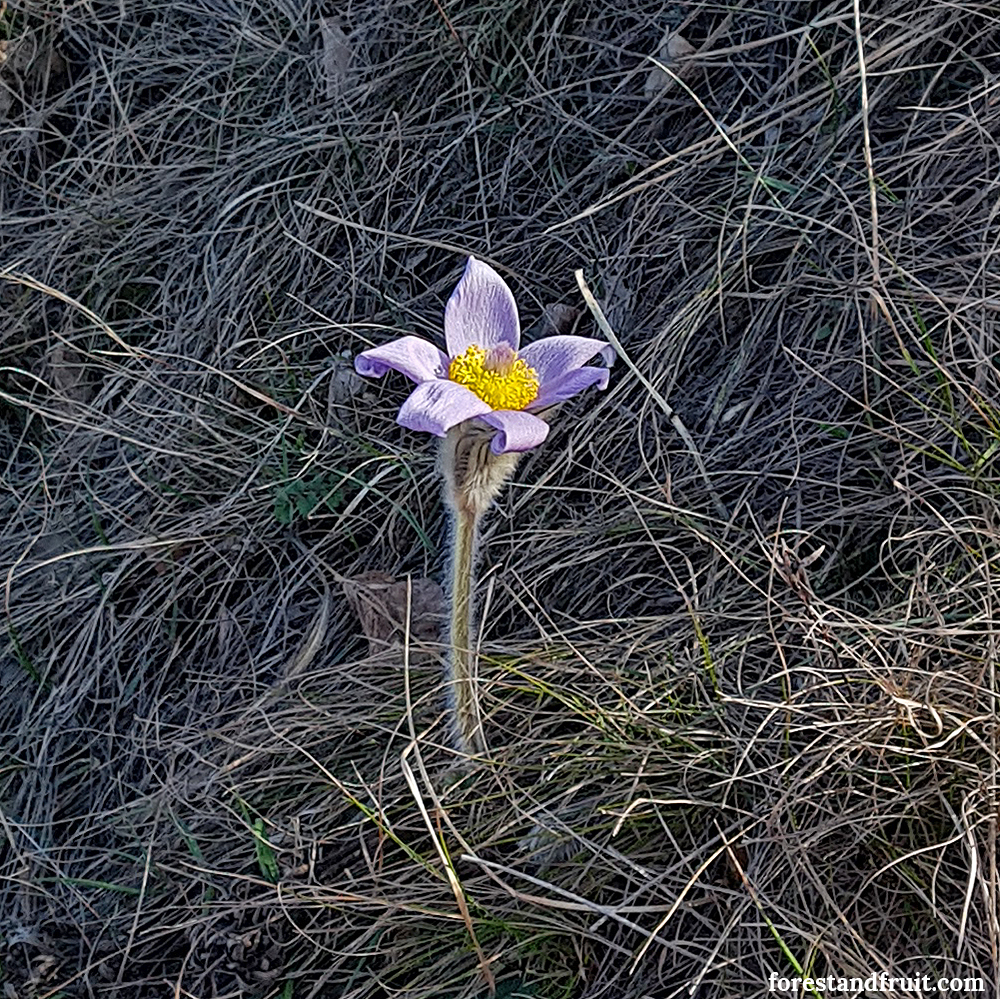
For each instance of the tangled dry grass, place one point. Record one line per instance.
(742, 703)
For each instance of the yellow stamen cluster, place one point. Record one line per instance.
(499, 377)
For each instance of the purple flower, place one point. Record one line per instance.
(484, 375)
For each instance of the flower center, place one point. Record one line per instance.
(498, 376)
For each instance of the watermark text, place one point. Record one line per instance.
(921, 985)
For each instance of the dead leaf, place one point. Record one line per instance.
(345, 382)
(335, 60)
(677, 48)
(44, 968)
(31, 64)
(733, 874)
(16, 54)
(562, 318)
(380, 602)
(674, 48)
(67, 375)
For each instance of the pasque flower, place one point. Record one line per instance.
(485, 375)
(486, 399)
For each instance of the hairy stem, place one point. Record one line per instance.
(467, 733)
(473, 478)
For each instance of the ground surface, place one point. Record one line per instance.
(741, 692)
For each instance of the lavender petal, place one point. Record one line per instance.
(410, 355)
(436, 406)
(569, 385)
(516, 430)
(553, 357)
(481, 311)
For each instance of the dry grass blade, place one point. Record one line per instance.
(669, 412)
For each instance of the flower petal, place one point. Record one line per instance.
(569, 385)
(516, 430)
(436, 406)
(555, 356)
(481, 311)
(417, 359)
